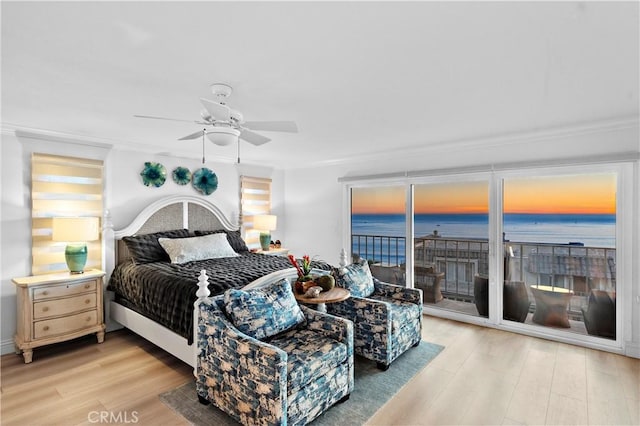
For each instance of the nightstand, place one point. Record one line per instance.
(275, 252)
(53, 308)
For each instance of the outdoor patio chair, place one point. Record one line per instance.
(600, 314)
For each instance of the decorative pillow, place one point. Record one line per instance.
(234, 237)
(356, 278)
(182, 250)
(146, 248)
(265, 311)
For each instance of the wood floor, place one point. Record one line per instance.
(483, 376)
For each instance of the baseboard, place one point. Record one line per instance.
(7, 347)
(632, 349)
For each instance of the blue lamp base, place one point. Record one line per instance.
(265, 240)
(76, 257)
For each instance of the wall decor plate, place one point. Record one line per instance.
(153, 174)
(205, 181)
(181, 175)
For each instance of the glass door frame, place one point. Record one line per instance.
(625, 206)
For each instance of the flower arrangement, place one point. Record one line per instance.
(304, 270)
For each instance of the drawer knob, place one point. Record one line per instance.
(88, 319)
(45, 328)
(87, 301)
(45, 308)
(44, 293)
(87, 286)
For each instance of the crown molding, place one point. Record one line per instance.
(504, 139)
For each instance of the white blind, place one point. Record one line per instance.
(67, 187)
(255, 198)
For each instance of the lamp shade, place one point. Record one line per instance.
(75, 229)
(264, 222)
(223, 135)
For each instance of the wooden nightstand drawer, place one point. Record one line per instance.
(64, 325)
(51, 308)
(64, 290)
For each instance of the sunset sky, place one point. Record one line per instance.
(567, 194)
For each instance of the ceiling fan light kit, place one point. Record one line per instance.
(223, 136)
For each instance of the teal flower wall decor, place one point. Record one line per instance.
(181, 175)
(153, 174)
(205, 181)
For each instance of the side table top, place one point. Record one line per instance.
(336, 294)
(57, 277)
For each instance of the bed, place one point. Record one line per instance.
(154, 297)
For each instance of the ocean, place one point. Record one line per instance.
(592, 230)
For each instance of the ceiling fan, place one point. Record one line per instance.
(227, 125)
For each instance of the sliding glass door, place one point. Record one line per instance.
(378, 229)
(537, 250)
(560, 252)
(451, 245)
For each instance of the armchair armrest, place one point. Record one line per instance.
(412, 295)
(336, 328)
(375, 312)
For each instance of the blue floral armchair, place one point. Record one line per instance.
(266, 375)
(387, 318)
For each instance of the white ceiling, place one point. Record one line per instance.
(354, 76)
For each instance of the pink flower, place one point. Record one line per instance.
(305, 269)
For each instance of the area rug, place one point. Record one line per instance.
(373, 388)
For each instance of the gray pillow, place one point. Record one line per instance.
(146, 248)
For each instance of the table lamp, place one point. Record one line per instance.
(76, 231)
(264, 223)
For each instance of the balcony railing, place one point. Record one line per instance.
(571, 266)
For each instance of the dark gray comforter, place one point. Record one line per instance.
(165, 292)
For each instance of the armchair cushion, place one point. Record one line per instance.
(265, 311)
(310, 356)
(356, 278)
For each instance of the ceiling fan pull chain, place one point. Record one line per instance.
(203, 133)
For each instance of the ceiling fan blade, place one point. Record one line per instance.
(272, 126)
(253, 138)
(165, 118)
(218, 111)
(192, 136)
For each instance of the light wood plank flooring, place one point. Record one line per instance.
(483, 376)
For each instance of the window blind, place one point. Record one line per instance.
(255, 199)
(67, 187)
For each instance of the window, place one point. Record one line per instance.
(68, 187)
(255, 199)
